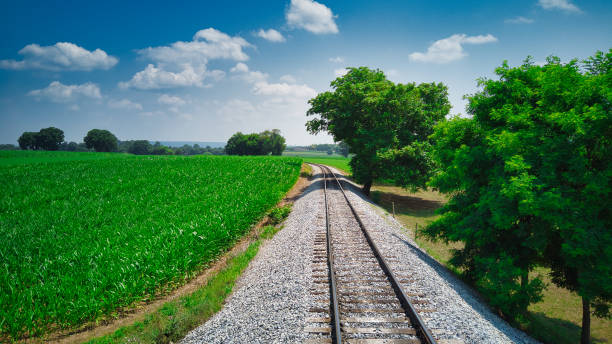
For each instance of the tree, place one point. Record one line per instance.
(489, 212)
(578, 163)
(531, 177)
(140, 147)
(49, 138)
(264, 143)
(101, 140)
(385, 125)
(27, 140)
(342, 149)
(7, 146)
(273, 142)
(161, 150)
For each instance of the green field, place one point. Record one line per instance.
(20, 157)
(312, 154)
(337, 161)
(87, 236)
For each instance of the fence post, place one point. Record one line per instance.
(393, 204)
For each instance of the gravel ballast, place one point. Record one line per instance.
(271, 301)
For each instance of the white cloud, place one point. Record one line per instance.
(170, 100)
(74, 107)
(340, 72)
(270, 35)
(156, 77)
(288, 79)
(184, 64)
(284, 90)
(60, 56)
(60, 93)
(206, 44)
(124, 104)
(450, 48)
(216, 74)
(240, 68)
(311, 16)
(336, 59)
(563, 5)
(519, 20)
(241, 71)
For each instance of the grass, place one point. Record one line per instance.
(89, 237)
(175, 319)
(19, 157)
(306, 171)
(312, 154)
(556, 319)
(338, 162)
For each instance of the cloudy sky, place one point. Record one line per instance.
(203, 70)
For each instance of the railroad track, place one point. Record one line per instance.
(359, 299)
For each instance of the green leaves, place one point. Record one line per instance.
(531, 179)
(386, 125)
(79, 239)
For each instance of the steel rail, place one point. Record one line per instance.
(333, 291)
(422, 330)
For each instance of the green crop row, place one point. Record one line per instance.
(20, 157)
(81, 239)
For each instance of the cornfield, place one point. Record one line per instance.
(79, 240)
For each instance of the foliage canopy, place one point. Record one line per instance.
(264, 143)
(386, 125)
(530, 176)
(45, 139)
(101, 140)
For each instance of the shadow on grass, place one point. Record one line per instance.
(407, 203)
(554, 330)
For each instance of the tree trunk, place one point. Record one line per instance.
(366, 187)
(524, 284)
(585, 337)
(524, 279)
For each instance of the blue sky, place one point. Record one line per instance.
(203, 70)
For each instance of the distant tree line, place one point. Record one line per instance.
(98, 140)
(8, 146)
(340, 148)
(264, 143)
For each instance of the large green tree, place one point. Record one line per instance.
(27, 140)
(530, 176)
(46, 139)
(101, 140)
(49, 138)
(385, 125)
(264, 143)
(274, 142)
